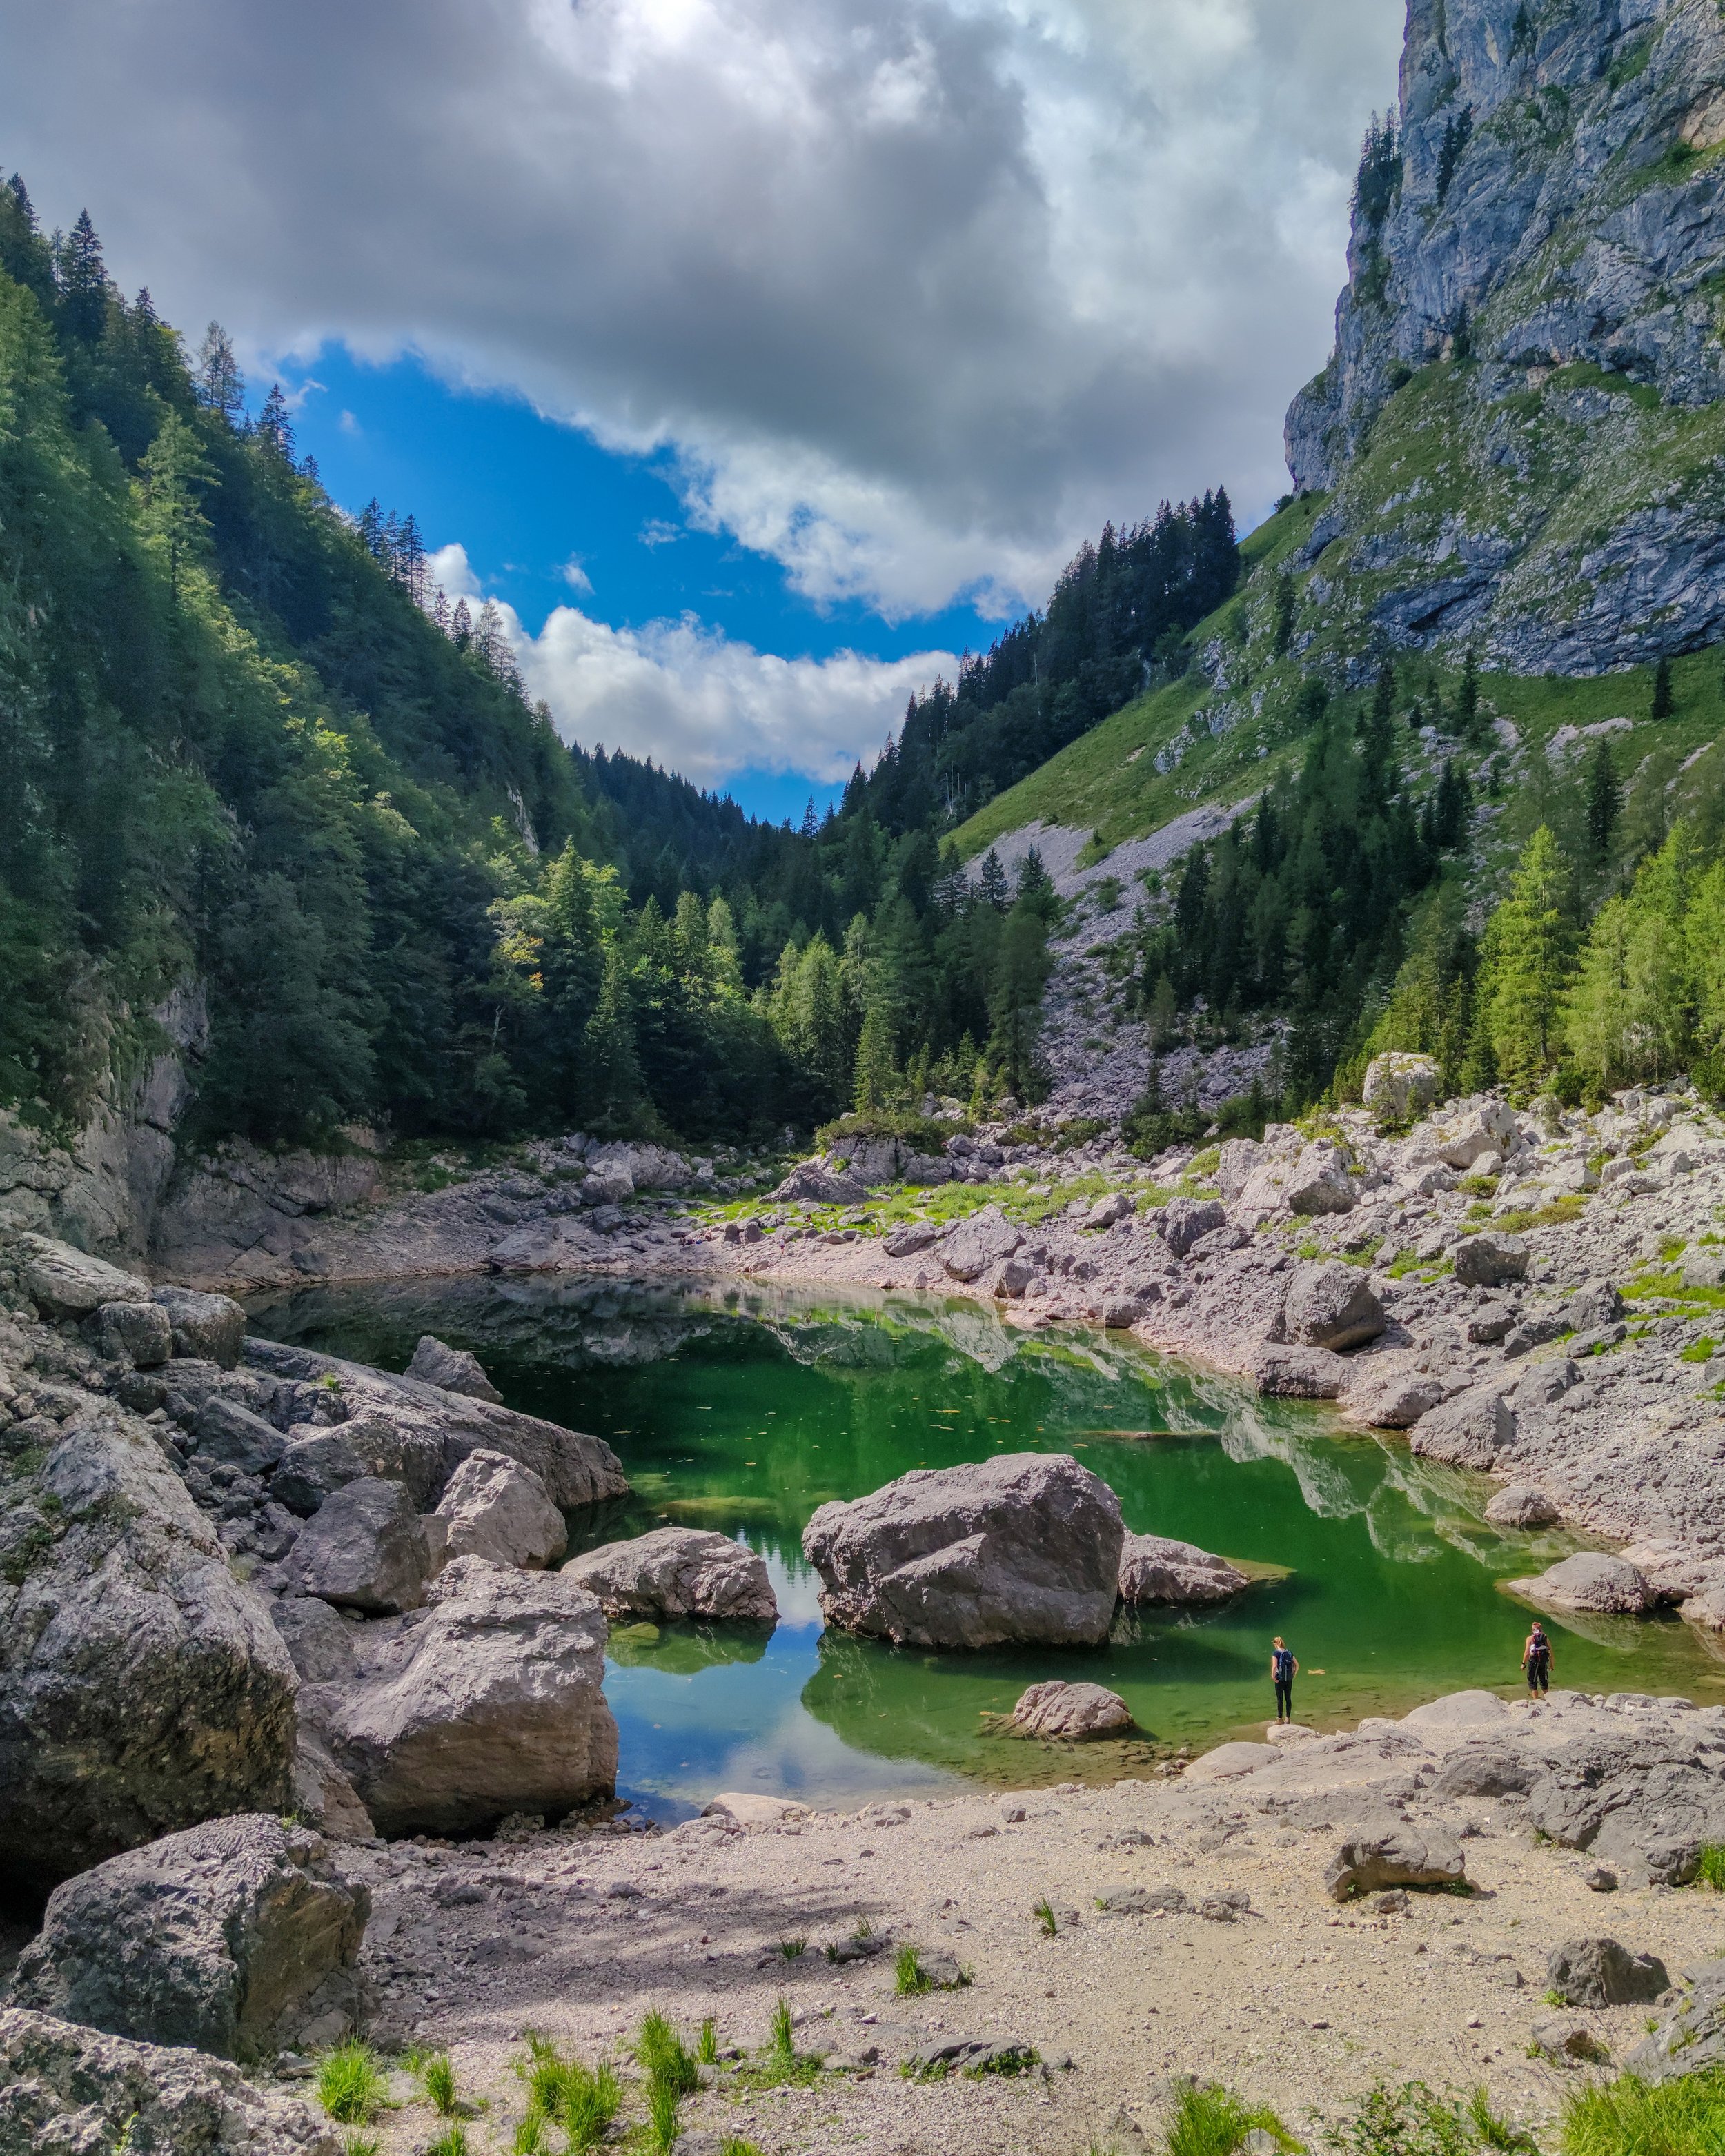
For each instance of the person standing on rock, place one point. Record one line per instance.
(1284, 1667)
(1536, 1661)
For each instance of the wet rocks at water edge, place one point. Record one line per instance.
(677, 1571)
(1023, 1546)
(1070, 1712)
(1156, 1569)
(234, 1938)
(1521, 1505)
(1590, 1580)
(66, 2089)
(1333, 1306)
(451, 1370)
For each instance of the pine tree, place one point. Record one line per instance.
(84, 281)
(276, 429)
(611, 1068)
(1604, 799)
(220, 386)
(1285, 602)
(992, 886)
(1164, 1015)
(811, 822)
(1664, 701)
(172, 475)
(1021, 971)
(461, 629)
(409, 564)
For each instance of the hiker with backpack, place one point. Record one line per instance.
(1536, 1661)
(1283, 1668)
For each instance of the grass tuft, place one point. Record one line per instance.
(1043, 1911)
(910, 1978)
(1710, 1867)
(451, 2142)
(665, 2101)
(437, 2078)
(1212, 2121)
(792, 1949)
(1632, 2118)
(350, 2083)
(706, 2049)
(665, 2057)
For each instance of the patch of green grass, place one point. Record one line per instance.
(1414, 2121)
(1557, 1998)
(451, 2142)
(1699, 1351)
(362, 2144)
(706, 2048)
(350, 2084)
(1309, 1251)
(1560, 1210)
(910, 1978)
(1043, 1911)
(581, 2100)
(663, 2103)
(1710, 1867)
(529, 2136)
(792, 1949)
(1632, 2118)
(664, 2055)
(437, 2078)
(1212, 2121)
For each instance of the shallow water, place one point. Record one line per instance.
(743, 1409)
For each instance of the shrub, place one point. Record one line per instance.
(350, 2083)
(1411, 2121)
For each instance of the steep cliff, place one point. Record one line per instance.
(1522, 424)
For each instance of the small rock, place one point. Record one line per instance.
(1567, 2038)
(749, 1807)
(1600, 1878)
(1071, 1712)
(1521, 1505)
(1393, 1902)
(1600, 1972)
(1116, 1205)
(451, 1370)
(1490, 1258)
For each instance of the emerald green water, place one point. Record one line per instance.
(744, 1410)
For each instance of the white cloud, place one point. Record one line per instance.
(913, 293)
(576, 577)
(690, 697)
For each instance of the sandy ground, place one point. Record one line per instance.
(579, 1932)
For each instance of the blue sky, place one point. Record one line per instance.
(530, 499)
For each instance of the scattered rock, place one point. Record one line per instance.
(1057, 1709)
(1155, 1568)
(498, 1509)
(1333, 1307)
(1392, 1902)
(978, 1243)
(66, 2090)
(1144, 1902)
(677, 1571)
(451, 1369)
(1521, 1505)
(211, 1327)
(815, 1185)
(1227, 1906)
(1570, 2039)
(1590, 1580)
(751, 1807)
(1300, 1373)
(1600, 1878)
(135, 1332)
(1600, 1972)
(1390, 1397)
(1395, 1854)
(364, 1549)
(222, 1938)
(1115, 1205)
(1321, 1181)
(1471, 1430)
(905, 1240)
(1185, 1220)
(973, 2056)
(1023, 1546)
(487, 1702)
(1489, 1259)
(1486, 1770)
(1691, 2040)
(1480, 1127)
(226, 1433)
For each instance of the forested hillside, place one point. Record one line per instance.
(247, 754)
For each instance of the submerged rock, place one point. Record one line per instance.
(227, 1937)
(677, 1571)
(1023, 1546)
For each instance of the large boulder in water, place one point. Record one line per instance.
(142, 1687)
(488, 1700)
(1070, 1712)
(64, 2090)
(451, 1370)
(227, 1937)
(677, 1571)
(1156, 1569)
(1023, 1546)
(1590, 1580)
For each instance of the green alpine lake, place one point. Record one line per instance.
(742, 1408)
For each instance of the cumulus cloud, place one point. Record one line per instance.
(912, 293)
(690, 697)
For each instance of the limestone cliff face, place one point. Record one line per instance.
(1523, 420)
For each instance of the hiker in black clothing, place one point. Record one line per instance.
(1283, 1668)
(1536, 1660)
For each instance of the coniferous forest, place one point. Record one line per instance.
(246, 749)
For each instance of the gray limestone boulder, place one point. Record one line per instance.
(1473, 1429)
(1691, 2040)
(1487, 1770)
(219, 1938)
(63, 1283)
(1282, 1372)
(1477, 1128)
(488, 1700)
(1113, 1205)
(1600, 1972)
(604, 1186)
(1333, 1307)
(677, 1571)
(451, 1370)
(1024, 1547)
(1521, 1505)
(1394, 1853)
(209, 1327)
(1389, 1392)
(913, 1235)
(978, 1243)
(1490, 1258)
(66, 2091)
(1321, 1181)
(227, 1434)
(320, 1640)
(1590, 1580)
(1070, 1712)
(1185, 1220)
(576, 1469)
(813, 1184)
(1156, 1569)
(1399, 1086)
(312, 1468)
(365, 1549)
(135, 1332)
(142, 1687)
(498, 1509)
(1236, 1163)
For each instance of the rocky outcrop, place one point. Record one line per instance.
(677, 1571)
(1691, 2039)
(494, 1507)
(577, 1470)
(1589, 1580)
(142, 1688)
(451, 1369)
(229, 1937)
(981, 1240)
(1154, 1568)
(1069, 1713)
(1398, 1087)
(64, 1282)
(65, 2089)
(486, 1701)
(1025, 1546)
(1600, 1972)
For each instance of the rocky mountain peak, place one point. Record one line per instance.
(1536, 263)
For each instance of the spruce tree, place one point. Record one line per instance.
(84, 281)
(991, 885)
(611, 1069)
(1469, 721)
(276, 429)
(1604, 799)
(1664, 701)
(876, 1081)
(219, 385)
